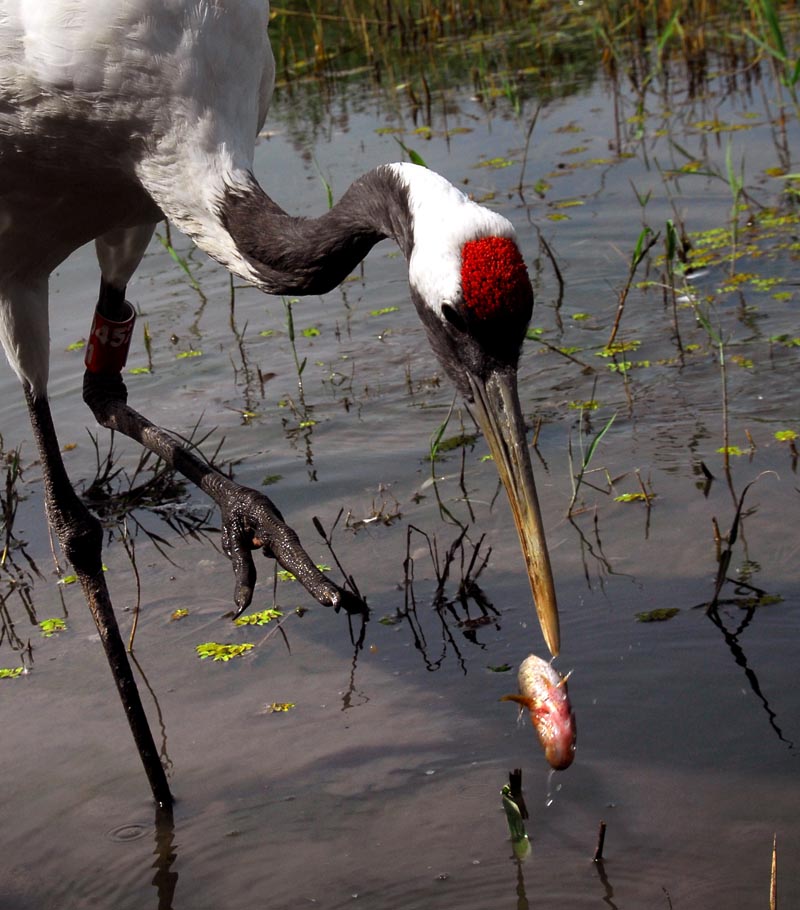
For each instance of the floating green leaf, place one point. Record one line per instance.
(311, 332)
(77, 345)
(178, 614)
(280, 707)
(10, 672)
(496, 163)
(660, 615)
(632, 497)
(500, 668)
(590, 405)
(786, 435)
(258, 619)
(182, 355)
(222, 652)
(50, 627)
(617, 348)
(384, 310)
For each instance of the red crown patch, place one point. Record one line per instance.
(494, 280)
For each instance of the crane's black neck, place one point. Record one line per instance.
(294, 255)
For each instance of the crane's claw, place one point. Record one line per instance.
(251, 521)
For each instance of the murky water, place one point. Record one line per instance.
(381, 788)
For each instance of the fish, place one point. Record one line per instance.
(543, 691)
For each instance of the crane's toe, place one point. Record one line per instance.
(251, 521)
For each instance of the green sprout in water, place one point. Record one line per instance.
(516, 826)
(222, 652)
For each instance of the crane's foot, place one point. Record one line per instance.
(250, 520)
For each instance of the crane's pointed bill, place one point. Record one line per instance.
(497, 411)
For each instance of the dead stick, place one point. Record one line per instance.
(601, 839)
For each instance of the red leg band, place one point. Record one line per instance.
(109, 342)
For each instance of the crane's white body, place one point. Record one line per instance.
(114, 141)
(116, 112)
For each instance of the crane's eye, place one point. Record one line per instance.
(454, 317)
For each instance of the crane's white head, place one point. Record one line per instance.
(467, 276)
(471, 289)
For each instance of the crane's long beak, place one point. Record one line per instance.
(497, 411)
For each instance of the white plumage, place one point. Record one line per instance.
(119, 109)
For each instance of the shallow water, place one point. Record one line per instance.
(381, 787)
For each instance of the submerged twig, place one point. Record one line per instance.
(773, 875)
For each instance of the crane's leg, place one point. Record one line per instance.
(250, 520)
(80, 536)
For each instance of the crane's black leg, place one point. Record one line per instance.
(80, 536)
(250, 520)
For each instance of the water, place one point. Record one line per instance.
(381, 788)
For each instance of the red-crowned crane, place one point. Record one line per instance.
(115, 114)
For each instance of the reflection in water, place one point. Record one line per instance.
(449, 610)
(166, 761)
(749, 598)
(594, 551)
(358, 644)
(732, 641)
(165, 880)
(608, 888)
(522, 897)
